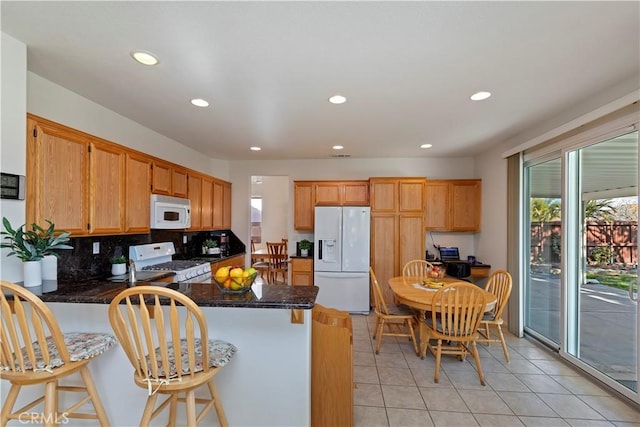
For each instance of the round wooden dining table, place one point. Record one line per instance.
(410, 292)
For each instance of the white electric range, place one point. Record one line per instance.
(158, 257)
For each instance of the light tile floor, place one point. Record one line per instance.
(396, 388)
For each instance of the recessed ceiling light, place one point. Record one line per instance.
(479, 96)
(255, 148)
(337, 99)
(145, 58)
(338, 147)
(426, 146)
(199, 102)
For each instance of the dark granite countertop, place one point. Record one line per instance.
(204, 294)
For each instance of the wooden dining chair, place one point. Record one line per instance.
(261, 266)
(417, 268)
(165, 337)
(33, 350)
(392, 316)
(277, 262)
(499, 284)
(456, 312)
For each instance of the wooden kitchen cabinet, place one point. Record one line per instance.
(453, 205)
(236, 260)
(107, 189)
(90, 186)
(304, 199)
(301, 271)
(341, 193)
(331, 368)
(221, 207)
(57, 176)
(169, 179)
(226, 205)
(137, 193)
(162, 177)
(217, 204)
(179, 182)
(397, 226)
(206, 205)
(309, 194)
(195, 195)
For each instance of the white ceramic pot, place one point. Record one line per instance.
(32, 273)
(118, 269)
(50, 268)
(304, 252)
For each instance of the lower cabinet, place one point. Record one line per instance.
(236, 260)
(301, 271)
(331, 368)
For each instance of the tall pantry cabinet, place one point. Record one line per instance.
(397, 226)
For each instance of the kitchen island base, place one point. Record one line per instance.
(267, 383)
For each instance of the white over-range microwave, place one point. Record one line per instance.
(170, 212)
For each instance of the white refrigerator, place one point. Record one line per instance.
(341, 257)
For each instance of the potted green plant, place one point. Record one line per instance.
(32, 246)
(119, 265)
(305, 246)
(211, 246)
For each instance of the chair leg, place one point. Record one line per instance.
(413, 336)
(375, 329)
(50, 403)
(476, 357)
(424, 339)
(95, 397)
(436, 375)
(379, 334)
(504, 344)
(10, 400)
(222, 417)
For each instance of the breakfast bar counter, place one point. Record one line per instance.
(268, 381)
(205, 294)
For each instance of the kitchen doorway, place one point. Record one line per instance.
(269, 209)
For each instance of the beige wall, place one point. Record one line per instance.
(12, 147)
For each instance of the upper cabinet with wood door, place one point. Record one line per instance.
(107, 189)
(195, 195)
(169, 179)
(309, 194)
(90, 186)
(453, 205)
(221, 207)
(304, 199)
(137, 193)
(57, 176)
(341, 193)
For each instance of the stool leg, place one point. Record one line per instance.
(50, 403)
(222, 418)
(10, 400)
(95, 397)
(148, 410)
(190, 400)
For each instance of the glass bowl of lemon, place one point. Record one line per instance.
(234, 280)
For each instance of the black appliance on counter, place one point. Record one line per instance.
(455, 267)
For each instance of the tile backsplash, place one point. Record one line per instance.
(80, 263)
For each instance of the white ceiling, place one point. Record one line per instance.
(267, 68)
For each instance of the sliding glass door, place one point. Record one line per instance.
(542, 296)
(601, 272)
(581, 256)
